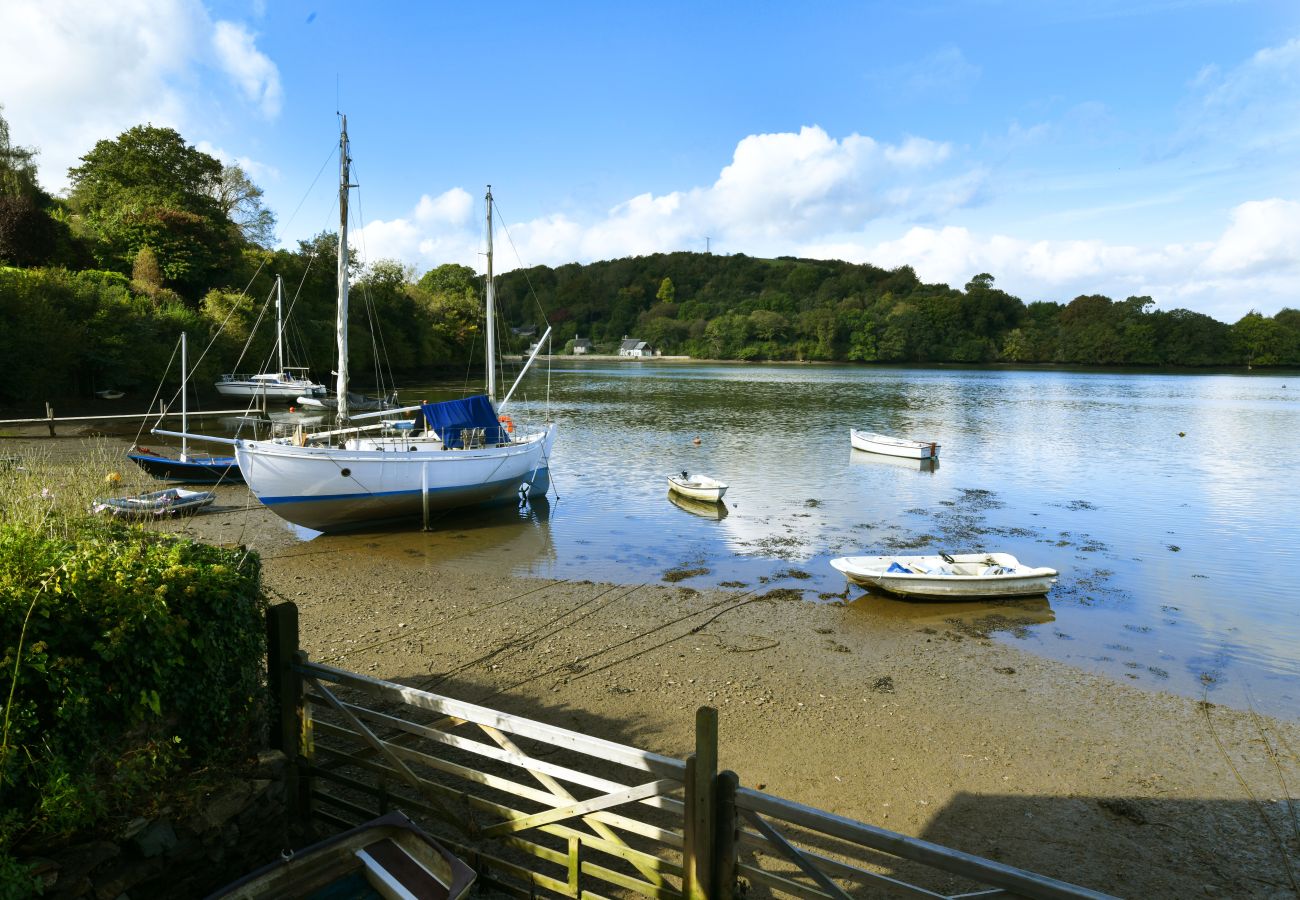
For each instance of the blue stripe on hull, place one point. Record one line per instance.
(341, 512)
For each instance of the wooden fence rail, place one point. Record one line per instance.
(537, 809)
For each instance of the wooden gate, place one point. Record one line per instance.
(541, 810)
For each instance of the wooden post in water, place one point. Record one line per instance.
(726, 841)
(49, 414)
(701, 811)
(286, 698)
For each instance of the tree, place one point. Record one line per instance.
(148, 187)
(666, 293)
(17, 165)
(241, 201)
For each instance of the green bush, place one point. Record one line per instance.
(125, 655)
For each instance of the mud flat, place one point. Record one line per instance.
(931, 730)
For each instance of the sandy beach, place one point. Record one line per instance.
(926, 728)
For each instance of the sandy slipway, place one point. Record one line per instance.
(930, 730)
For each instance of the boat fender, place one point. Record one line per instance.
(508, 422)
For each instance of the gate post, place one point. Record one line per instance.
(701, 810)
(286, 698)
(727, 838)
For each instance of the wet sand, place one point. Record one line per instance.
(931, 730)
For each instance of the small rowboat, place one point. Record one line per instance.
(961, 576)
(155, 505)
(892, 446)
(387, 857)
(700, 487)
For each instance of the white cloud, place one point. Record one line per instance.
(1264, 236)
(452, 207)
(252, 71)
(1254, 263)
(79, 71)
(808, 194)
(255, 170)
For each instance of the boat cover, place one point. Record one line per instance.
(451, 418)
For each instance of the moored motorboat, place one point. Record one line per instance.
(287, 383)
(155, 505)
(109, 394)
(387, 857)
(697, 487)
(958, 576)
(871, 442)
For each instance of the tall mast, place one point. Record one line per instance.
(491, 309)
(341, 326)
(279, 324)
(185, 408)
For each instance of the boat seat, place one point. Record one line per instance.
(401, 873)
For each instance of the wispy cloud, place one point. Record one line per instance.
(944, 73)
(1251, 108)
(251, 70)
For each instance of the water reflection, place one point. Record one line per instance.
(715, 511)
(974, 619)
(1171, 547)
(863, 458)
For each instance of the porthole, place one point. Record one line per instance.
(345, 472)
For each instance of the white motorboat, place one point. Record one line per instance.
(287, 383)
(959, 576)
(698, 487)
(458, 453)
(892, 446)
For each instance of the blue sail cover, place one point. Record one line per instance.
(451, 417)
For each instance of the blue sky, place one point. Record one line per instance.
(1089, 147)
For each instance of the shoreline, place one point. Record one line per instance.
(929, 730)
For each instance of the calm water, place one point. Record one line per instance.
(1167, 502)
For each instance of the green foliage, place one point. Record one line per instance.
(125, 655)
(149, 188)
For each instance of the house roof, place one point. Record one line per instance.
(581, 342)
(632, 344)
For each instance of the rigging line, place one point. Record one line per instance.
(519, 258)
(439, 624)
(521, 641)
(158, 391)
(329, 156)
(222, 327)
(376, 327)
(1259, 807)
(601, 652)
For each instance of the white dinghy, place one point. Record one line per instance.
(961, 576)
(155, 505)
(892, 446)
(698, 487)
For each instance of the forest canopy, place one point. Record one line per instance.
(156, 237)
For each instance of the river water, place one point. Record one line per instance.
(1167, 502)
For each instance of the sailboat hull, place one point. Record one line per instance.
(333, 489)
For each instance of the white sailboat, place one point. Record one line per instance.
(458, 453)
(285, 383)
